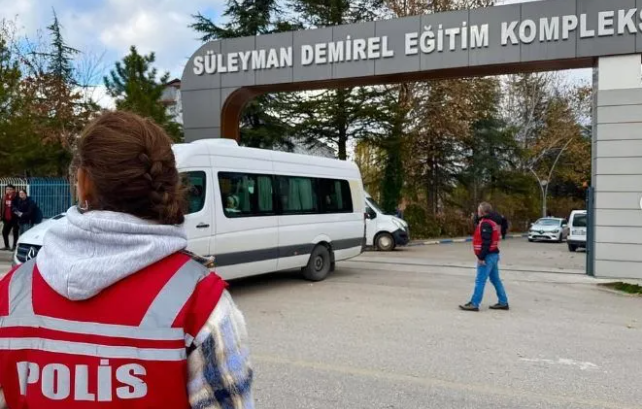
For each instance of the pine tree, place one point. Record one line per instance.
(10, 102)
(259, 126)
(246, 18)
(134, 84)
(61, 56)
(339, 116)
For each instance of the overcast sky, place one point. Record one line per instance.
(109, 27)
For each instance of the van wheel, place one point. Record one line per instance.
(385, 242)
(572, 248)
(319, 265)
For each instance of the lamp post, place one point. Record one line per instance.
(544, 183)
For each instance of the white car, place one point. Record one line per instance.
(384, 231)
(549, 229)
(578, 225)
(30, 242)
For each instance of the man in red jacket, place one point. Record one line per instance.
(9, 220)
(486, 248)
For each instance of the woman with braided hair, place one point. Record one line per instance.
(113, 313)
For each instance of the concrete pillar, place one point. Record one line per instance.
(617, 168)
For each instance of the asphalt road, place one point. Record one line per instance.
(378, 334)
(384, 331)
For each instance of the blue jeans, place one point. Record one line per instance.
(485, 272)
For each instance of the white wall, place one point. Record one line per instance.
(617, 168)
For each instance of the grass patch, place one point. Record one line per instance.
(624, 287)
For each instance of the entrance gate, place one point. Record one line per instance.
(222, 76)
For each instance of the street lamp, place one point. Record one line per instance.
(544, 183)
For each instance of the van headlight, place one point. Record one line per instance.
(556, 231)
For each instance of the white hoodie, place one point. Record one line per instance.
(83, 254)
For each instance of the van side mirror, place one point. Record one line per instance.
(370, 214)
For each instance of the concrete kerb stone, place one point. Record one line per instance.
(457, 240)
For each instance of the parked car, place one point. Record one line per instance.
(30, 242)
(549, 229)
(384, 231)
(578, 226)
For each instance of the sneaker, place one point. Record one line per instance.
(499, 306)
(6, 249)
(469, 307)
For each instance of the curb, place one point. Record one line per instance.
(460, 240)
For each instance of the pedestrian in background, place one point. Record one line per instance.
(25, 210)
(504, 226)
(9, 219)
(399, 212)
(135, 320)
(486, 247)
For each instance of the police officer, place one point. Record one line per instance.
(112, 313)
(486, 248)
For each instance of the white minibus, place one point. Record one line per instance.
(258, 211)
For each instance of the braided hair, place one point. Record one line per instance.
(131, 165)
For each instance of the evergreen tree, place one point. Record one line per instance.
(260, 125)
(134, 84)
(246, 18)
(10, 104)
(61, 55)
(339, 116)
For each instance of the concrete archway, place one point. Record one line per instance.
(222, 76)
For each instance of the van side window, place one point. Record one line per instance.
(297, 195)
(336, 196)
(195, 182)
(245, 194)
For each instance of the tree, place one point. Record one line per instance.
(261, 125)
(48, 111)
(60, 58)
(134, 84)
(11, 125)
(333, 117)
(339, 116)
(246, 18)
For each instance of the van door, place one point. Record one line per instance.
(246, 240)
(199, 221)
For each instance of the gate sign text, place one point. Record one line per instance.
(432, 39)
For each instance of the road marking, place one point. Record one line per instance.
(434, 382)
(563, 361)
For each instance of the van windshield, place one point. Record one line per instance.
(375, 206)
(579, 220)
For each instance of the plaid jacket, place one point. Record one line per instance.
(220, 374)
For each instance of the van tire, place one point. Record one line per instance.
(319, 265)
(385, 242)
(572, 248)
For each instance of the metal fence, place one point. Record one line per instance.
(52, 195)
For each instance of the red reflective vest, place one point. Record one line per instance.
(124, 348)
(477, 238)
